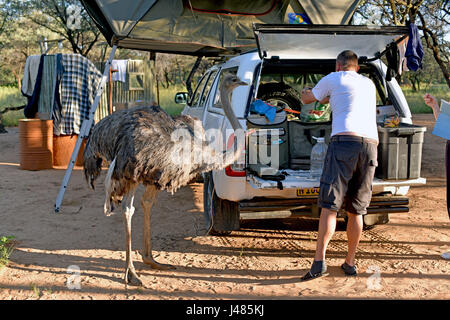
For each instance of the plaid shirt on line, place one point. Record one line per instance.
(78, 87)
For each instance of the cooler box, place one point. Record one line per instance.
(400, 152)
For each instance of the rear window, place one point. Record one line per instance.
(300, 77)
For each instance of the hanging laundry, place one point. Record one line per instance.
(414, 50)
(46, 96)
(57, 106)
(29, 75)
(402, 51)
(32, 106)
(121, 73)
(77, 91)
(393, 59)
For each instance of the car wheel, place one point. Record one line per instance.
(280, 95)
(221, 216)
(369, 223)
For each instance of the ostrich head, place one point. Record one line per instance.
(230, 82)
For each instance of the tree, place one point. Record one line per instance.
(18, 45)
(67, 19)
(430, 16)
(8, 12)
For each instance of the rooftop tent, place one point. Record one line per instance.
(202, 27)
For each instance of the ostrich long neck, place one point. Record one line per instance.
(229, 113)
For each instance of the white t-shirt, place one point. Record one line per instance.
(353, 102)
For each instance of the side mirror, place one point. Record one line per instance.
(181, 97)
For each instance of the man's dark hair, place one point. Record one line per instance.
(347, 58)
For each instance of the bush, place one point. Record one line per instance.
(11, 97)
(6, 247)
(415, 98)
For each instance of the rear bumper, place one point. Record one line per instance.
(238, 189)
(307, 206)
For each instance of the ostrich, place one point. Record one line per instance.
(138, 144)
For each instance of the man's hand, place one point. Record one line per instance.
(307, 95)
(432, 103)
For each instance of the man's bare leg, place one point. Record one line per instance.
(354, 231)
(327, 226)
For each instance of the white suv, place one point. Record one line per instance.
(288, 58)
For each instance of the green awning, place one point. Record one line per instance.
(202, 27)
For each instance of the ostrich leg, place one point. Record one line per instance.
(128, 211)
(108, 208)
(147, 201)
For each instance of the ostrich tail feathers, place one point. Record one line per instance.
(92, 169)
(92, 164)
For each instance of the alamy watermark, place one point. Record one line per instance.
(374, 281)
(211, 147)
(74, 17)
(74, 280)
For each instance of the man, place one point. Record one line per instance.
(351, 159)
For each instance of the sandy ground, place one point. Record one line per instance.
(264, 260)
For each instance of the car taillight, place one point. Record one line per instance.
(237, 169)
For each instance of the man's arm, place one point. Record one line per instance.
(325, 100)
(308, 97)
(320, 92)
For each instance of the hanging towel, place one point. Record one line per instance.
(121, 73)
(265, 109)
(393, 60)
(402, 51)
(57, 107)
(32, 106)
(47, 88)
(29, 75)
(414, 50)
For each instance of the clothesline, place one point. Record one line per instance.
(62, 87)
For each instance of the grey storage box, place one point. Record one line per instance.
(400, 152)
(263, 138)
(301, 141)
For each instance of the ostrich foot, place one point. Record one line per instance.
(155, 265)
(132, 278)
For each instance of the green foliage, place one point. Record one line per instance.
(415, 98)
(6, 247)
(167, 99)
(11, 97)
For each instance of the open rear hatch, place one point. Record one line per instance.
(324, 41)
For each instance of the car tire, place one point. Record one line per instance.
(281, 95)
(221, 216)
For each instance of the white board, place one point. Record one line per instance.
(442, 126)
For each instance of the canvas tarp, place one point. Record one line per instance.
(202, 27)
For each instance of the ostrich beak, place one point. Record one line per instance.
(242, 83)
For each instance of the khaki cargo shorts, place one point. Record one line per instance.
(348, 172)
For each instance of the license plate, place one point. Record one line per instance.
(308, 192)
